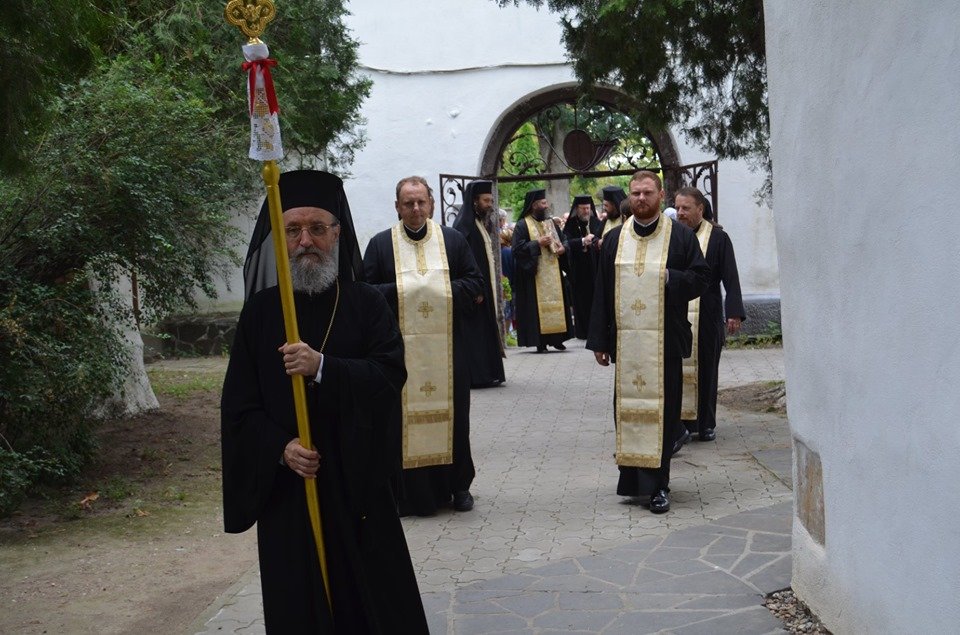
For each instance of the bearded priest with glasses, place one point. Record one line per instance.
(351, 354)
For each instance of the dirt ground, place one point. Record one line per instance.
(138, 545)
(148, 555)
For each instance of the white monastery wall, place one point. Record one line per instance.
(444, 73)
(865, 133)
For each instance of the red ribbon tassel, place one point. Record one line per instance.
(264, 66)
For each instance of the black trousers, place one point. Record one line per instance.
(643, 481)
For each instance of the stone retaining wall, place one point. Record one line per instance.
(212, 334)
(190, 335)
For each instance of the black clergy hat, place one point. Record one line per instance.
(302, 188)
(464, 222)
(614, 194)
(530, 198)
(481, 187)
(309, 188)
(582, 199)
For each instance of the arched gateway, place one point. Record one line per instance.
(556, 135)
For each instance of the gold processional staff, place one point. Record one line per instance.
(252, 16)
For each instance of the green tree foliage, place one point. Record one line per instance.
(317, 87)
(528, 153)
(43, 44)
(699, 64)
(60, 361)
(522, 152)
(134, 176)
(134, 158)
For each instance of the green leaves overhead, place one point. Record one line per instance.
(696, 64)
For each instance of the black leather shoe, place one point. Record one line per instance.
(462, 501)
(708, 435)
(541, 349)
(682, 441)
(660, 502)
(560, 347)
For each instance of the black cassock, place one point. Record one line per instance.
(373, 584)
(723, 268)
(424, 489)
(484, 348)
(583, 269)
(687, 278)
(526, 259)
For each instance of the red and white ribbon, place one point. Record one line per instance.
(265, 142)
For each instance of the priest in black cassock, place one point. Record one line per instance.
(432, 294)
(613, 196)
(638, 302)
(352, 354)
(479, 224)
(582, 231)
(540, 296)
(692, 211)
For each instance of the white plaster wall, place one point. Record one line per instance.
(444, 73)
(865, 135)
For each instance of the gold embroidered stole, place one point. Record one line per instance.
(610, 224)
(640, 270)
(425, 309)
(550, 306)
(491, 265)
(691, 382)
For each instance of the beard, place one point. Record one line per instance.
(483, 212)
(644, 211)
(314, 277)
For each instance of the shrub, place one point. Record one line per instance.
(60, 362)
(18, 471)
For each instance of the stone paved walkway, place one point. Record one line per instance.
(550, 547)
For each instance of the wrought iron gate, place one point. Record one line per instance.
(702, 176)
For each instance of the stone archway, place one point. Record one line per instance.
(658, 149)
(529, 105)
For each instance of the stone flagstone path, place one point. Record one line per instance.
(551, 548)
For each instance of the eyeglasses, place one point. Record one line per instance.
(316, 230)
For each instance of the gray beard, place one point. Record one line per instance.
(314, 277)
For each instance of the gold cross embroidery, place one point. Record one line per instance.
(425, 309)
(638, 382)
(427, 389)
(638, 306)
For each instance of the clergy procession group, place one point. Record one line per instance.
(393, 341)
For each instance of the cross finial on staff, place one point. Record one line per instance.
(251, 16)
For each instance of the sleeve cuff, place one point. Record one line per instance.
(319, 370)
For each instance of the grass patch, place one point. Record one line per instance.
(771, 336)
(183, 383)
(174, 493)
(117, 488)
